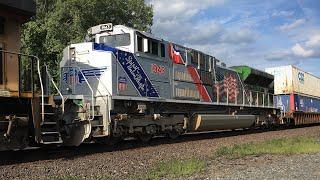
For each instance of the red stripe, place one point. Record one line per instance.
(196, 79)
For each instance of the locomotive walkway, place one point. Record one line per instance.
(133, 158)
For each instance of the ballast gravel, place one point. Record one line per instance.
(301, 166)
(131, 158)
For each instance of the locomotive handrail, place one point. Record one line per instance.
(39, 74)
(56, 87)
(105, 87)
(107, 103)
(109, 94)
(243, 89)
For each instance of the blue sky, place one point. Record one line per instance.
(251, 32)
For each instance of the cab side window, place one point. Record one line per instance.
(155, 47)
(140, 43)
(163, 50)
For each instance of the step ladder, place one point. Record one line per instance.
(98, 117)
(49, 126)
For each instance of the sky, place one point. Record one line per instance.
(257, 33)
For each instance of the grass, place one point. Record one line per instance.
(66, 178)
(297, 145)
(184, 167)
(175, 168)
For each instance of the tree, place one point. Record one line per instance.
(62, 22)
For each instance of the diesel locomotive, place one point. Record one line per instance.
(122, 82)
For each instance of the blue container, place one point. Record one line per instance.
(283, 102)
(307, 104)
(291, 103)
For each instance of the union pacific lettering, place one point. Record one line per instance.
(182, 76)
(187, 93)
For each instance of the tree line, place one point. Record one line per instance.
(58, 23)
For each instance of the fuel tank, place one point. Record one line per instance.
(211, 122)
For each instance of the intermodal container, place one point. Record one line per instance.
(291, 80)
(296, 102)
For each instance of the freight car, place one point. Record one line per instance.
(297, 94)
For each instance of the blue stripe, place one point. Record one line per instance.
(133, 69)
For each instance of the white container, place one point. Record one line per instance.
(290, 79)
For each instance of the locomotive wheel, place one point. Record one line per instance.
(145, 137)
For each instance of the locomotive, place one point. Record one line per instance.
(127, 83)
(122, 82)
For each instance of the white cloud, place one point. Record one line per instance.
(292, 25)
(279, 55)
(173, 20)
(225, 37)
(232, 34)
(314, 41)
(181, 9)
(298, 50)
(302, 50)
(282, 13)
(203, 32)
(308, 49)
(239, 36)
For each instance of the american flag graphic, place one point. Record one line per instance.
(231, 86)
(175, 55)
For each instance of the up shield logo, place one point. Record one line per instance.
(301, 77)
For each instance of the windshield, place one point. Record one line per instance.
(116, 40)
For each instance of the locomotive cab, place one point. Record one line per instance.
(119, 36)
